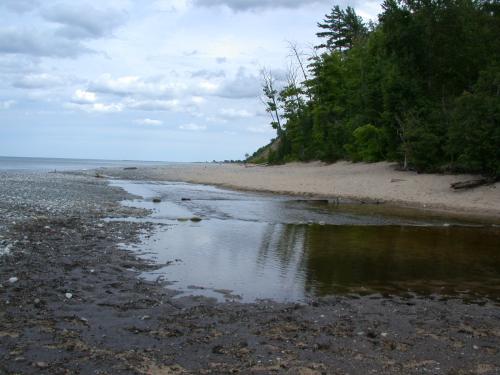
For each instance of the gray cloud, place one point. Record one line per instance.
(244, 5)
(243, 85)
(24, 42)
(208, 74)
(79, 22)
(19, 6)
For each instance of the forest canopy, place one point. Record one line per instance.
(421, 87)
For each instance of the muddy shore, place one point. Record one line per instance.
(71, 302)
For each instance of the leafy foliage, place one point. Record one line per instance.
(421, 87)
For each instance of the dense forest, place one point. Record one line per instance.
(421, 87)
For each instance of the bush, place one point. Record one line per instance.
(368, 144)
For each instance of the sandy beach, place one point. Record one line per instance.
(379, 182)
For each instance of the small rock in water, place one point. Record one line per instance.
(195, 219)
(13, 280)
(156, 200)
(69, 295)
(41, 364)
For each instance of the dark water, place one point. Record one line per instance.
(60, 164)
(260, 246)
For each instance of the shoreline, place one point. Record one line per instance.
(78, 306)
(377, 183)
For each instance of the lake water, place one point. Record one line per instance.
(255, 246)
(59, 164)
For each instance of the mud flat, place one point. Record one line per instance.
(71, 302)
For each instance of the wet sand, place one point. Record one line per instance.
(379, 182)
(71, 302)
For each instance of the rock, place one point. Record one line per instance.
(69, 295)
(13, 280)
(41, 364)
(195, 219)
(156, 200)
(218, 349)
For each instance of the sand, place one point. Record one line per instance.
(374, 182)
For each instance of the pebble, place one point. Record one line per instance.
(69, 295)
(13, 280)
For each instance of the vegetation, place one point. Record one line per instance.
(422, 87)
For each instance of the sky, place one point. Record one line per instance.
(171, 80)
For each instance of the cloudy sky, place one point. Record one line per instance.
(174, 80)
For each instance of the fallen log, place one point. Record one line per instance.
(470, 184)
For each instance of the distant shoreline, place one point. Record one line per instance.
(373, 183)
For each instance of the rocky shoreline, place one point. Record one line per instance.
(71, 302)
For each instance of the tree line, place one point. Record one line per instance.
(421, 87)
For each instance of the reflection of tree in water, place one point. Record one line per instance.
(284, 243)
(339, 257)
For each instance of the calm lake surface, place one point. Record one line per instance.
(254, 246)
(50, 164)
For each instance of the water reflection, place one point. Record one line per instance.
(258, 246)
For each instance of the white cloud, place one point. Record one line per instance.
(149, 122)
(193, 127)
(136, 86)
(153, 105)
(83, 97)
(37, 81)
(232, 113)
(97, 107)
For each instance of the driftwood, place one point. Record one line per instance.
(470, 184)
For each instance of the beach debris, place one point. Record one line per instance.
(218, 349)
(13, 280)
(69, 295)
(41, 364)
(156, 200)
(471, 183)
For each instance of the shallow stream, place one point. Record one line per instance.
(251, 246)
